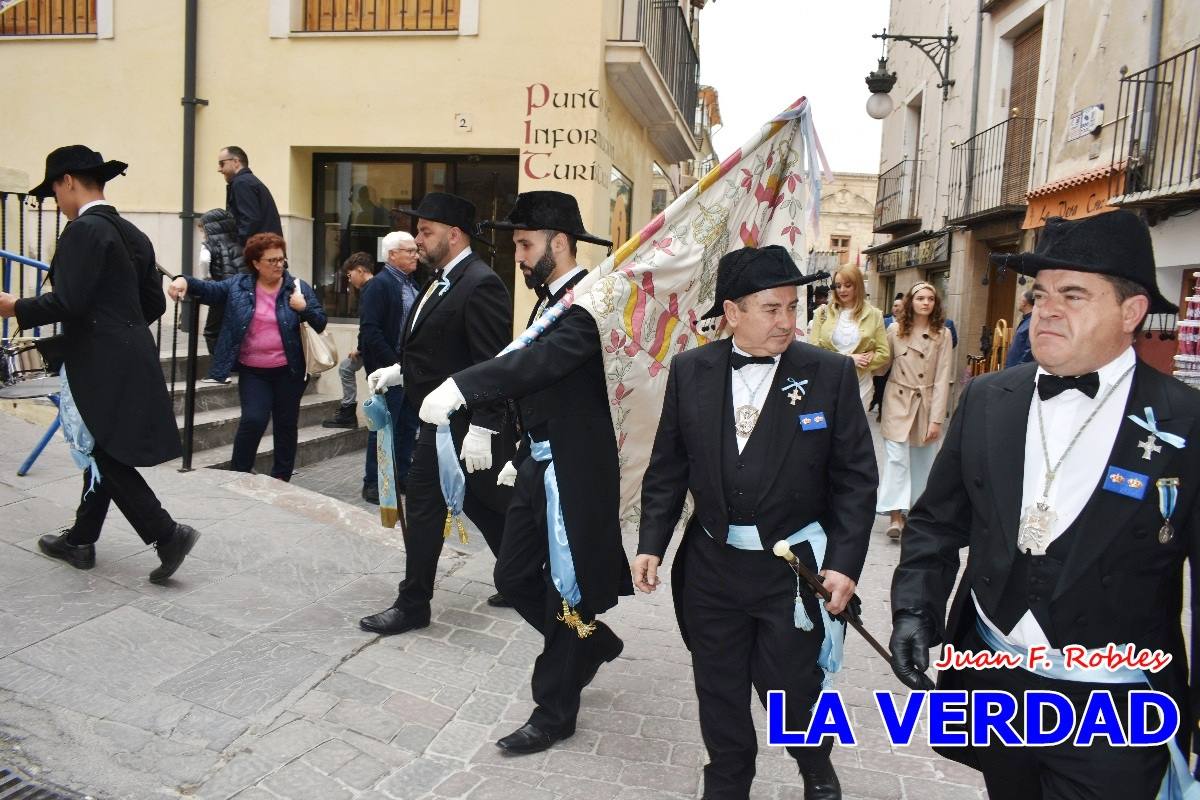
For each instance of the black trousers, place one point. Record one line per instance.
(738, 606)
(523, 576)
(426, 510)
(122, 484)
(1063, 772)
(268, 396)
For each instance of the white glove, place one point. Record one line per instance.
(441, 403)
(379, 380)
(507, 476)
(476, 453)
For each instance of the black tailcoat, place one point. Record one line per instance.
(105, 304)
(825, 475)
(1118, 584)
(558, 383)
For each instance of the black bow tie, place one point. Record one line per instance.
(437, 273)
(737, 360)
(1049, 386)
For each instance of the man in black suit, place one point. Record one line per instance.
(107, 291)
(559, 572)
(769, 436)
(1069, 482)
(463, 317)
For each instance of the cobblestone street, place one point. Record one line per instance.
(248, 677)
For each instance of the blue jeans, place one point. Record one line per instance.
(268, 395)
(404, 433)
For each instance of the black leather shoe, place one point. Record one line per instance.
(821, 781)
(527, 739)
(393, 621)
(370, 493)
(79, 556)
(172, 552)
(609, 653)
(498, 601)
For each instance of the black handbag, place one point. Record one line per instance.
(53, 350)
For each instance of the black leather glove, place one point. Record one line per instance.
(912, 635)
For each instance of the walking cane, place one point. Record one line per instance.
(850, 615)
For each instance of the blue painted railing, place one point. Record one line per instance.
(8, 259)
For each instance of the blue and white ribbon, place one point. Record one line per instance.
(454, 482)
(562, 565)
(80, 441)
(445, 284)
(795, 384)
(542, 323)
(1168, 495)
(1178, 783)
(1150, 424)
(379, 420)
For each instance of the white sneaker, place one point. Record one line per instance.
(214, 381)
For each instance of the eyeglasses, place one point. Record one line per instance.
(274, 262)
(412, 251)
(221, 161)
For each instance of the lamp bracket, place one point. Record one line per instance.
(935, 48)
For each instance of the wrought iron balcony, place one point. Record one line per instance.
(896, 197)
(653, 67)
(49, 18)
(1158, 132)
(990, 172)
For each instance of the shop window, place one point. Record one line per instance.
(620, 205)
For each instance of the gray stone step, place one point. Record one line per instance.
(164, 358)
(314, 445)
(209, 397)
(217, 427)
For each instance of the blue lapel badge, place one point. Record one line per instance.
(812, 421)
(1125, 482)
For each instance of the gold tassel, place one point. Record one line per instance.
(462, 530)
(389, 516)
(571, 618)
(446, 530)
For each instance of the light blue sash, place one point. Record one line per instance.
(562, 565)
(746, 537)
(80, 441)
(1178, 783)
(379, 419)
(454, 482)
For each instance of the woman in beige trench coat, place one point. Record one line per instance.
(915, 401)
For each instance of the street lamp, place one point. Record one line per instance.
(880, 82)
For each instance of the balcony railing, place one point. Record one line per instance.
(351, 16)
(1158, 131)
(661, 26)
(896, 197)
(49, 18)
(989, 173)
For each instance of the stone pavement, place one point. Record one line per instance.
(247, 676)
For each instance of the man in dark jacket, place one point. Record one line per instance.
(769, 436)
(246, 197)
(569, 453)
(1020, 351)
(106, 291)
(463, 316)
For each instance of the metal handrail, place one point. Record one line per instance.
(897, 193)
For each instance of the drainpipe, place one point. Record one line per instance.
(1149, 121)
(974, 104)
(187, 216)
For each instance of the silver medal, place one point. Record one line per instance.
(744, 420)
(1036, 525)
(1166, 533)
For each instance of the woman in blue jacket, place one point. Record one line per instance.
(260, 340)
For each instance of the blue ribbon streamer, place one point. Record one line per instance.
(1178, 783)
(80, 441)
(1151, 425)
(379, 419)
(1168, 495)
(445, 284)
(795, 384)
(450, 474)
(562, 565)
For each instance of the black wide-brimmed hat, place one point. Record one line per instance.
(1115, 243)
(753, 269)
(76, 159)
(547, 210)
(446, 208)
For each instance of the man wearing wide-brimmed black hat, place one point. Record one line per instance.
(561, 561)
(1072, 481)
(116, 413)
(769, 436)
(463, 317)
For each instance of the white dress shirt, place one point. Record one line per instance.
(92, 204)
(446, 270)
(743, 383)
(544, 301)
(1081, 470)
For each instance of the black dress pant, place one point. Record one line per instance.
(122, 484)
(738, 607)
(425, 507)
(1063, 772)
(523, 577)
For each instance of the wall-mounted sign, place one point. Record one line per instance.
(1085, 121)
(1085, 199)
(931, 252)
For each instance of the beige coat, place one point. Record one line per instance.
(918, 390)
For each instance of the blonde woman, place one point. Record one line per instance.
(914, 401)
(850, 326)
